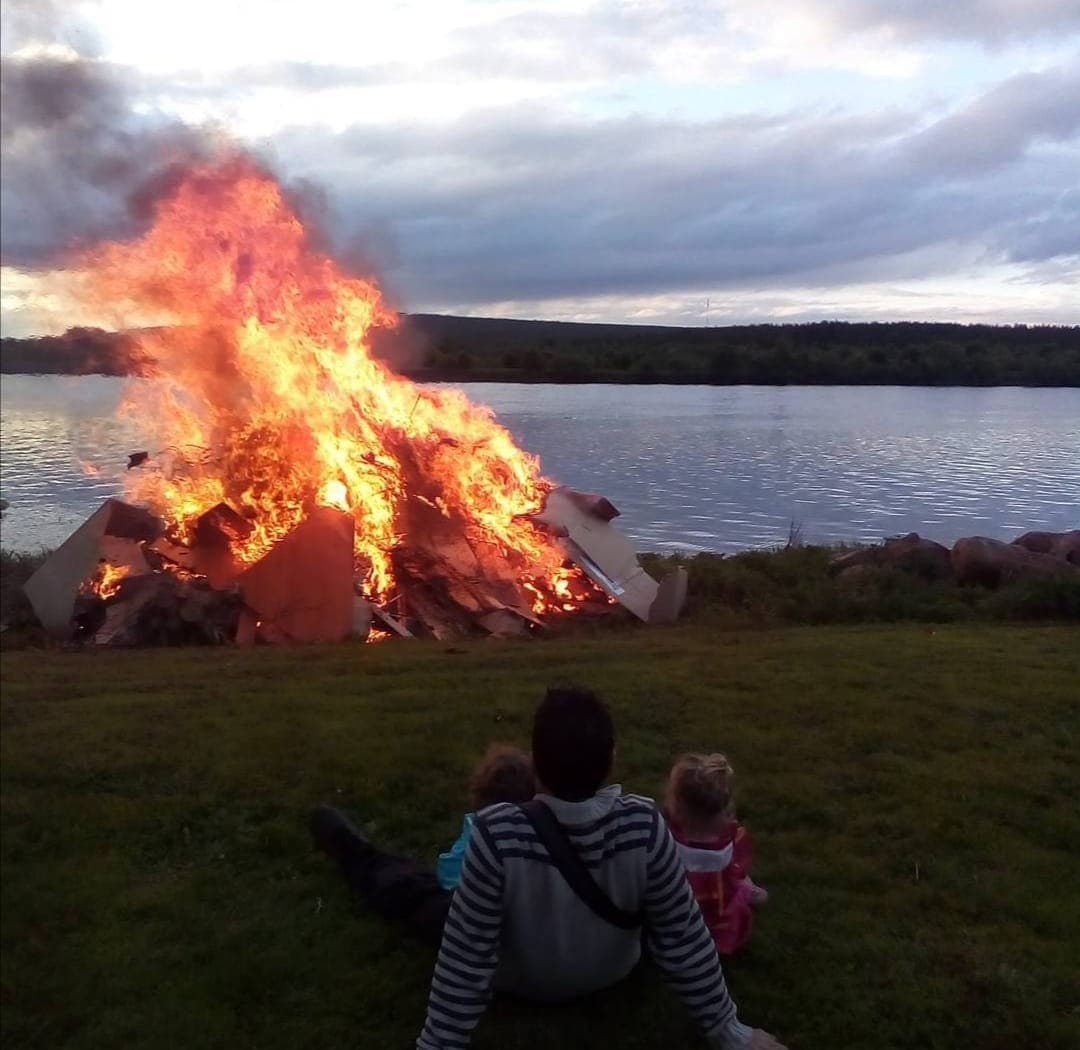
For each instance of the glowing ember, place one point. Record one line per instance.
(268, 399)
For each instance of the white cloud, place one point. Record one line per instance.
(521, 153)
(999, 295)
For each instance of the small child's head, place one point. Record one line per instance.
(504, 774)
(699, 794)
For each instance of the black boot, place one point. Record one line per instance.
(337, 836)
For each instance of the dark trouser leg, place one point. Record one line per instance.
(396, 888)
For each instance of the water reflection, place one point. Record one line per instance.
(691, 468)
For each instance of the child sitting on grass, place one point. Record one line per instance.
(504, 774)
(714, 846)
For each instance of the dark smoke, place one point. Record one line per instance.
(77, 158)
(74, 148)
(85, 158)
(82, 164)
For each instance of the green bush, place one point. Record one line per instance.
(16, 567)
(792, 585)
(1035, 600)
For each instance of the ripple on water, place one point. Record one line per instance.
(690, 468)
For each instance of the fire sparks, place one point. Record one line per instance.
(270, 401)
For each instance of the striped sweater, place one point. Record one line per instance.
(515, 924)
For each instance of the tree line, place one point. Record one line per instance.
(828, 352)
(461, 349)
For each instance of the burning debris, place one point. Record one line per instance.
(583, 524)
(319, 491)
(120, 580)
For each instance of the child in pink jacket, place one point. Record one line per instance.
(714, 846)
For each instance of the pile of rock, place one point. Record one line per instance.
(974, 559)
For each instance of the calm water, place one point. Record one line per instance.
(691, 468)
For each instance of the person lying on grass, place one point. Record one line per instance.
(517, 924)
(714, 847)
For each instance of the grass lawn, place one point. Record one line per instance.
(912, 791)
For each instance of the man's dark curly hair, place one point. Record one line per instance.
(573, 742)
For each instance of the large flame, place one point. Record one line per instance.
(268, 398)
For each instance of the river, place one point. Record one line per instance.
(691, 468)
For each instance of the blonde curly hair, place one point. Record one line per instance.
(700, 789)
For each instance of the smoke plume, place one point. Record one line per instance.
(78, 156)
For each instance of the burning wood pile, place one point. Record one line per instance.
(119, 580)
(303, 491)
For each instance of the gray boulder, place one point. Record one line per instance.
(1064, 545)
(911, 553)
(978, 559)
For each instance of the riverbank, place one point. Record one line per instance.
(909, 789)
(763, 588)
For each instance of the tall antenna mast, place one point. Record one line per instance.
(707, 302)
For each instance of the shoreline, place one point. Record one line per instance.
(515, 379)
(899, 580)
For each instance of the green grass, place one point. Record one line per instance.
(912, 792)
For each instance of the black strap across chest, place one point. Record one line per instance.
(572, 868)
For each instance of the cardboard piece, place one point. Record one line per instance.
(361, 619)
(247, 626)
(302, 590)
(503, 623)
(112, 533)
(670, 596)
(119, 616)
(606, 555)
(221, 525)
(583, 526)
(390, 623)
(598, 506)
(174, 553)
(216, 530)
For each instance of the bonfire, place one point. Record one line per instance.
(270, 418)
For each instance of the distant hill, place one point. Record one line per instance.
(79, 351)
(461, 349)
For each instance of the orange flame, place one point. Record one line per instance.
(106, 579)
(269, 399)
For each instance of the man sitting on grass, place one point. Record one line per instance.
(516, 924)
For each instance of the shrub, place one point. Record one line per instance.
(16, 567)
(793, 585)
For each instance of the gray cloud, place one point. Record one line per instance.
(519, 203)
(615, 39)
(525, 202)
(302, 77)
(1051, 235)
(1001, 125)
(986, 21)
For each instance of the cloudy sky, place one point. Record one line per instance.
(663, 162)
